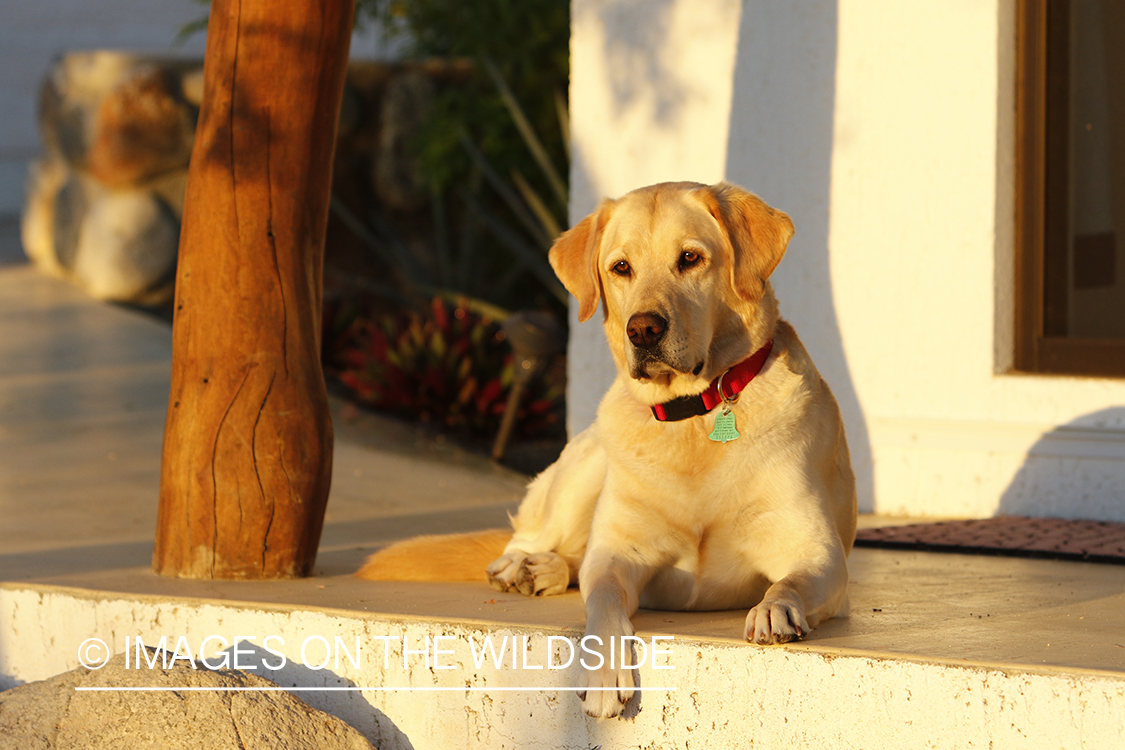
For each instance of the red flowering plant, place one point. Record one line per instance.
(448, 365)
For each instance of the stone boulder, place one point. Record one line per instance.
(53, 715)
(104, 199)
(143, 128)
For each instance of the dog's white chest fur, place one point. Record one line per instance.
(713, 514)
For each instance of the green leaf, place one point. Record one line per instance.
(511, 199)
(531, 140)
(437, 345)
(546, 218)
(534, 258)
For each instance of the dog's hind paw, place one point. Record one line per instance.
(541, 574)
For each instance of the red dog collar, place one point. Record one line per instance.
(733, 382)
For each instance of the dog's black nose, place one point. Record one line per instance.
(646, 329)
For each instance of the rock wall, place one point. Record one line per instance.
(104, 199)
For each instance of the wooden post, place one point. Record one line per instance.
(248, 439)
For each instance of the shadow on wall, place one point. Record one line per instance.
(1076, 470)
(633, 70)
(780, 147)
(645, 86)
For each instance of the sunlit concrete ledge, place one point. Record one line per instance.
(942, 651)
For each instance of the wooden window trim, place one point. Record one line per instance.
(1042, 203)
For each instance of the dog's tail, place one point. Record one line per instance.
(437, 557)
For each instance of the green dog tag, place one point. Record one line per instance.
(724, 431)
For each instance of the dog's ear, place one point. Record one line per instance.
(574, 256)
(758, 235)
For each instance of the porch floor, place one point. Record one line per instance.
(83, 392)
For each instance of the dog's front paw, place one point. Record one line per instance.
(605, 690)
(541, 574)
(776, 621)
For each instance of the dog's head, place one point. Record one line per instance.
(683, 270)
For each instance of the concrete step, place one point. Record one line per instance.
(941, 651)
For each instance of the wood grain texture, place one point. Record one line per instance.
(248, 440)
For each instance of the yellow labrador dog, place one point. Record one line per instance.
(717, 474)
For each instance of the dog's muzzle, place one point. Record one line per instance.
(649, 357)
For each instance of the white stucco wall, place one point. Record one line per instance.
(33, 33)
(641, 113)
(887, 131)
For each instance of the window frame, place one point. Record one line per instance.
(1042, 202)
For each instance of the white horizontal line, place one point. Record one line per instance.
(133, 689)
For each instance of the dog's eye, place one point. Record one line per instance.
(622, 268)
(689, 258)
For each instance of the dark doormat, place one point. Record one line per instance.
(1017, 536)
